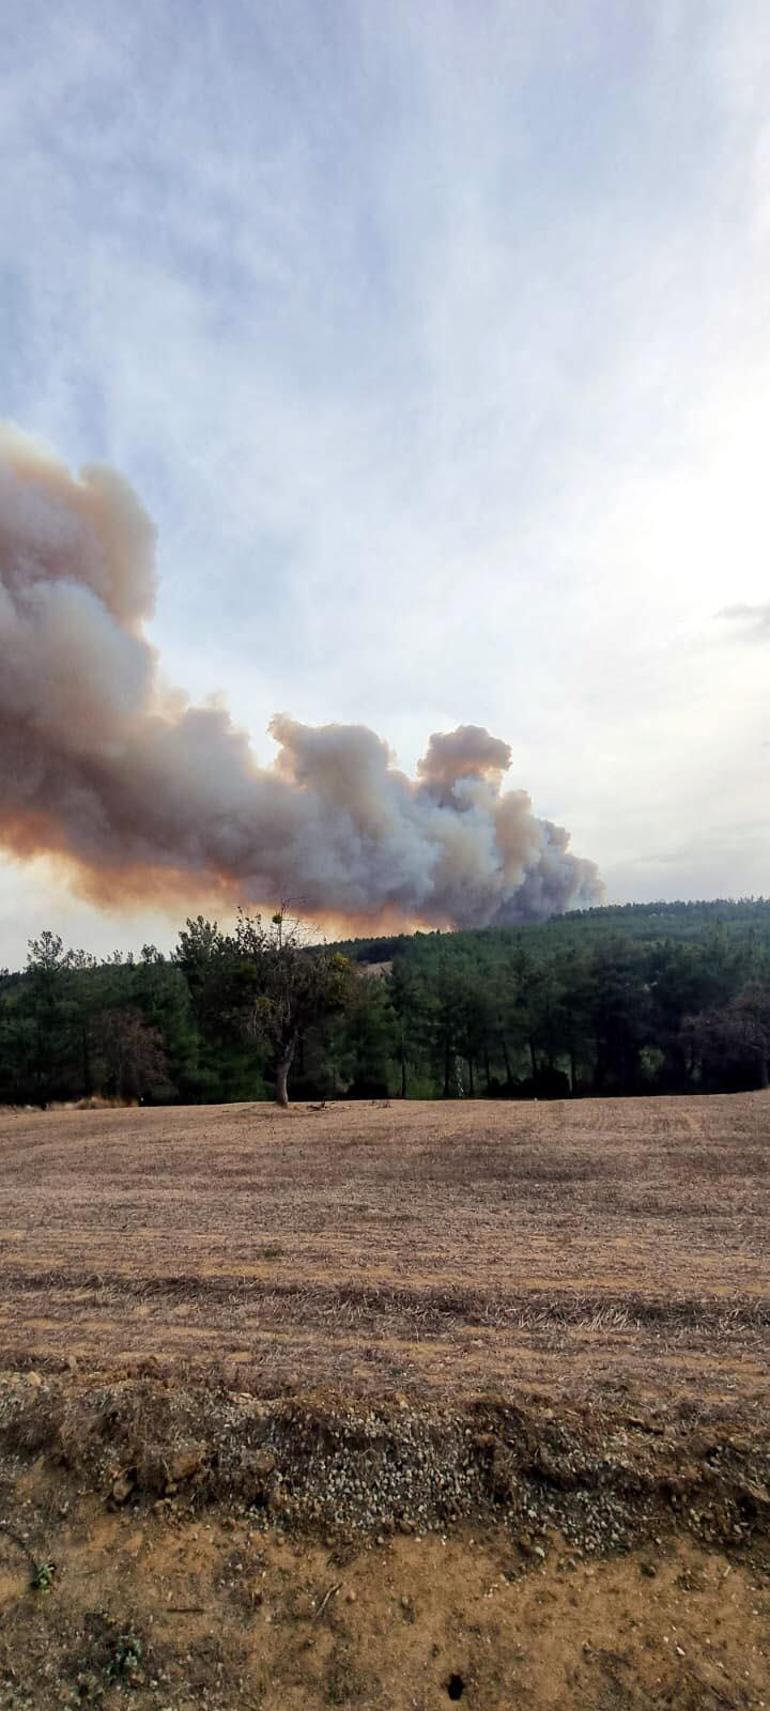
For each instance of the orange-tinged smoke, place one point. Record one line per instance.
(145, 796)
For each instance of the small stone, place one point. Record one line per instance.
(186, 1463)
(262, 1463)
(122, 1488)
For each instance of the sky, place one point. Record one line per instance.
(435, 340)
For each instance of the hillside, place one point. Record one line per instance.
(581, 929)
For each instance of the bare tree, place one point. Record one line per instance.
(736, 1034)
(133, 1053)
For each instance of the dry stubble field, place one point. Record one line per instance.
(429, 1249)
(385, 1406)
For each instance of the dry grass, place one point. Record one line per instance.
(595, 1248)
(249, 1448)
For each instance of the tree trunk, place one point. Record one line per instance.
(281, 1081)
(506, 1061)
(471, 1083)
(87, 1084)
(403, 1070)
(282, 1068)
(599, 1067)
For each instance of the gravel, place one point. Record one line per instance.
(600, 1480)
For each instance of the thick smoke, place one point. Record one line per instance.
(143, 794)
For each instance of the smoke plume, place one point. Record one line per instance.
(145, 795)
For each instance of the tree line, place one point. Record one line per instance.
(653, 999)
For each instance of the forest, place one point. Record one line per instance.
(646, 998)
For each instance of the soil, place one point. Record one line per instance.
(207, 1611)
(386, 1407)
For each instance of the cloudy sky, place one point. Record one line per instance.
(435, 339)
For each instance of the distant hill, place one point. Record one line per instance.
(583, 929)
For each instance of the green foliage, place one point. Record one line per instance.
(650, 998)
(126, 1658)
(263, 987)
(72, 1028)
(43, 1577)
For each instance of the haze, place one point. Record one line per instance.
(435, 341)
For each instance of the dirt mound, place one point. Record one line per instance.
(601, 1478)
(196, 1547)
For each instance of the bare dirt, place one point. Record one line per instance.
(386, 1406)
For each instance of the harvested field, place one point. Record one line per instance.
(434, 1250)
(386, 1406)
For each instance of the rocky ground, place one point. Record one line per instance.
(181, 1547)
